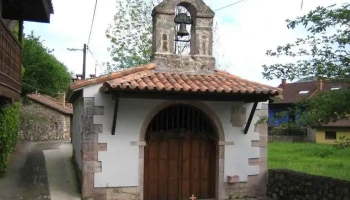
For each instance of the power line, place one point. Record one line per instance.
(302, 2)
(92, 23)
(93, 56)
(229, 5)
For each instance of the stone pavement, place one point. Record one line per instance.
(40, 171)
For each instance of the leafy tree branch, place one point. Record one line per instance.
(130, 34)
(323, 53)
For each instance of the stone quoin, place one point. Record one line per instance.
(175, 127)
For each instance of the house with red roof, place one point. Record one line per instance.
(306, 89)
(174, 128)
(45, 118)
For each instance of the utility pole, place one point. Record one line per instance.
(84, 62)
(84, 58)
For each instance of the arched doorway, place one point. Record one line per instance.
(180, 155)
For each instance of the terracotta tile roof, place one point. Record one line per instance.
(166, 81)
(92, 81)
(52, 103)
(146, 78)
(291, 91)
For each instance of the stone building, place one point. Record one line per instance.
(173, 128)
(45, 118)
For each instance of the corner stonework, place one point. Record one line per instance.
(91, 147)
(255, 187)
(260, 181)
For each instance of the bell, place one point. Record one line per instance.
(183, 31)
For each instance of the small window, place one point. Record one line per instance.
(331, 135)
(335, 88)
(304, 91)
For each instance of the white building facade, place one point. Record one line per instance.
(174, 128)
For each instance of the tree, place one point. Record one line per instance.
(131, 34)
(323, 53)
(42, 70)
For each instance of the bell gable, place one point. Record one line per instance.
(191, 26)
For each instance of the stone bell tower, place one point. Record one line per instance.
(199, 17)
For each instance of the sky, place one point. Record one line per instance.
(246, 30)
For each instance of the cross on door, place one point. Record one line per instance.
(193, 197)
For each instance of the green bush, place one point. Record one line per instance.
(9, 127)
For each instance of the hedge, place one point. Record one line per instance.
(9, 127)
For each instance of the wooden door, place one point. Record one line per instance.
(177, 168)
(197, 168)
(179, 158)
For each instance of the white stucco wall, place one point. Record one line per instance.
(237, 155)
(77, 130)
(120, 163)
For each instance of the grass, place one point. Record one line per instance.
(307, 157)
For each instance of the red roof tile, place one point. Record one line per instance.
(146, 78)
(220, 82)
(52, 103)
(97, 80)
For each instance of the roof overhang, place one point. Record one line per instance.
(74, 94)
(146, 82)
(27, 10)
(188, 96)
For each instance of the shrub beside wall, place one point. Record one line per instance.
(9, 127)
(285, 138)
(290, 185)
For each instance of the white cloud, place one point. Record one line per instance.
(254, 26)
(246, 29)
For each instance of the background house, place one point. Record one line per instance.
(45, 118)
(306, 89)
(13, 13)
(331, 132)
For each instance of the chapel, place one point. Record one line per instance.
(176, 128)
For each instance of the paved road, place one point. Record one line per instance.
(40, 171)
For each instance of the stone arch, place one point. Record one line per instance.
(189, 7)
(186, 48)
(203, 107)
(220, 187)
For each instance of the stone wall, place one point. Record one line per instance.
(91, 147)
(285, 138)
(311, 135)
(290, 185)
(40, 123)
(200, 58)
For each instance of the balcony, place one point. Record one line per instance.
(27, 10)
(10, 64)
